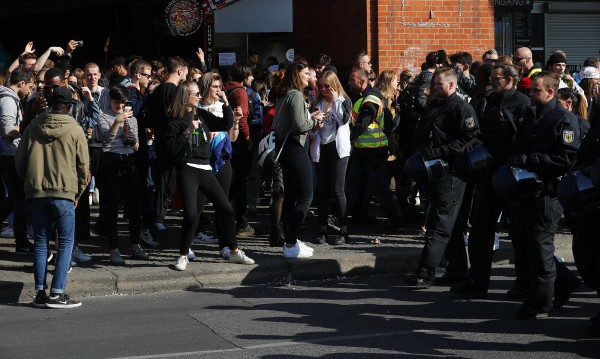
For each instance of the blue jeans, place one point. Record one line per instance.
(49, 214)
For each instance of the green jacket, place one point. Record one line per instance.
(292, 116)
(53, 158)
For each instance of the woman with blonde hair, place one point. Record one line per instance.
(330, 149)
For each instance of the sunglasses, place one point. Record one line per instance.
(147, 75)
(324, 86)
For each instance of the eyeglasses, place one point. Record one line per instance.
(517, 59)
(147, 75)
(324, 86)
(196, 94)
(49, 88)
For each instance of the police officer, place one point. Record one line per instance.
(447, 126)
(369, 131)
(502, 115)
(546, 143)
(586, 247)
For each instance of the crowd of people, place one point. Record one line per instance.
(150, 128)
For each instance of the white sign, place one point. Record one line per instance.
(226, 58)
(289, 55)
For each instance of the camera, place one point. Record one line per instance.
(441, 57)
(79, 43)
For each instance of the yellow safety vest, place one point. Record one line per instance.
(373, 137)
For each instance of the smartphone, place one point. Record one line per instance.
(128, 106)
(79, 43)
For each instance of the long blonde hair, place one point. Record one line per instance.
(335, 83)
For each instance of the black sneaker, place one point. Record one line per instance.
(562, 296)
(40, 299)
(336, 240)
(246, 231)
(468, 291)
(61, 301)
(322, 238)
(417, 281)
(528, 312)
(517, 293)
(450, 279)
(24, 247)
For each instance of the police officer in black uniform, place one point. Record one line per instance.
(546, 143)
(586, 246)
(448, 125)
(502, 115)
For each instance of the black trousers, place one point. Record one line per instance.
(481, 239)
(445, 199)
(15, 201)
(120, 184)
(331, 179)
(298, 187)
(165, 185)
(194, 184)
(534, 223)
(241, 161)
(586, 247)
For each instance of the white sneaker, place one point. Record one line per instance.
(225, 252)
(300, 250)
(191, 255)
(146, 237)
(96, 196)
(78, 256)
(160, 226)
(7, 232)
(302, 244)
(240, 258)
(182, 263)
(201, 238)
(73, 263)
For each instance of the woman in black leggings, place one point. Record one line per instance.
(292, 123)
(187, 138)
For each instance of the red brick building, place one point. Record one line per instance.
(397, 34)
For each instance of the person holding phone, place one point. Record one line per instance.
(187, 141)
(292, 123)
(118, 130)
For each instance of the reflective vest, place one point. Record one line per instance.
(373, 137)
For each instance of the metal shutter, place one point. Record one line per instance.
(574, 33)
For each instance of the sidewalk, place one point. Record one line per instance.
(397, 252)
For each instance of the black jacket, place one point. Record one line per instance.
(178, 141)
(503, 115)
(449, 123)
(550, 138)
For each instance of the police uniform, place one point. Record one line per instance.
(546, 143)
(502, 116)
(448, 124)
(369, 133)
(586, 247)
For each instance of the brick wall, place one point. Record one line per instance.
(406, 33)
(398, 34)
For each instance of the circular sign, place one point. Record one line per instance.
(183, 17)
(289, 54)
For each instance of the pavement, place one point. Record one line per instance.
(374, 249)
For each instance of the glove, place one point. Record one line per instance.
(431, 153)
(518, 161)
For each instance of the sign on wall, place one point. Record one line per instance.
(183, 17)
(226, 58)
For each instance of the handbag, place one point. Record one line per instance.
(266, 147)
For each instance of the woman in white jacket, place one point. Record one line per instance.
(330, 148)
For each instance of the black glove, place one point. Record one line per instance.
(431, 153)
(518, 161)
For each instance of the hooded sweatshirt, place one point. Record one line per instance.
(11, 116)
(53, 158)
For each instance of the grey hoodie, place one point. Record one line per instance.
(10, 117)
(53, 157)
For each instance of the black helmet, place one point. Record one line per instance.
(595, 173)
(422, 171)
(576, 192)
(474, 165)
(515, 184)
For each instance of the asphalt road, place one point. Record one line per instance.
(376, 317)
